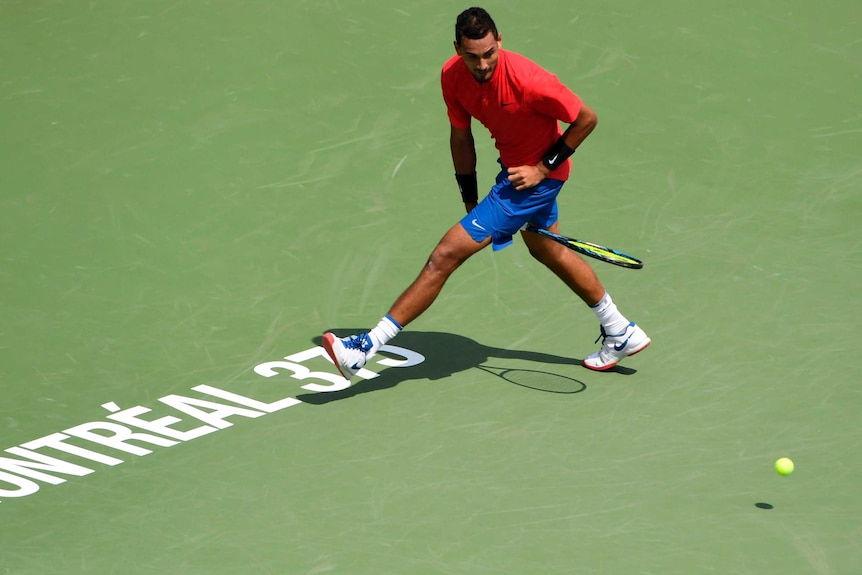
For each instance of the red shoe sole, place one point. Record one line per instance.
(328, 338)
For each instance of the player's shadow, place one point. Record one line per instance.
(447, 354)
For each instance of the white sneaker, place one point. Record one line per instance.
(616, 347)
(349, 354)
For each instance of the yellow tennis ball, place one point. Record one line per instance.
(784, 466)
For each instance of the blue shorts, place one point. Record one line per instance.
(506, 210)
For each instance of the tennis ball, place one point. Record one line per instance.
(784, 466)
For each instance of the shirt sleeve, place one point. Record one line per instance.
(458, 116)
(551, 97)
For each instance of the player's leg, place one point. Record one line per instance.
(620, 337)
(350, 354)
(566, 265)
(453, 250)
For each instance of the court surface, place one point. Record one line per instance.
(192, 193)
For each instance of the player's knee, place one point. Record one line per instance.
(444, 259)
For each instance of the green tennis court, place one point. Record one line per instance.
(191, 193)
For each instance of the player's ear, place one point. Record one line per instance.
(457, 48)
(499, 41)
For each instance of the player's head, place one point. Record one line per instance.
(474, 23)
(478, 42)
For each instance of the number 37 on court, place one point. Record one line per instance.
(334, 381)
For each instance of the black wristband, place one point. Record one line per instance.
(469, 187)
(557, 154)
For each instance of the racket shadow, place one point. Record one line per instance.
(539, 380)
(447, 354)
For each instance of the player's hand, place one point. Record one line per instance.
(524, 177)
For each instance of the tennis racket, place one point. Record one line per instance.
(590, 249)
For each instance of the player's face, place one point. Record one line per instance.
(481, 56)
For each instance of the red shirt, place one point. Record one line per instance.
(521, 105)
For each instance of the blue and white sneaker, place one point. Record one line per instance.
(616, 347)
(349, 354)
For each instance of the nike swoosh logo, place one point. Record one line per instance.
(476, 223)
(503, 105)
(621, 346)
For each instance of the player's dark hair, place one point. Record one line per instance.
(474, 23)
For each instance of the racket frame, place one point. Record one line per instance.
(589, 249)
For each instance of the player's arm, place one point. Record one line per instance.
(464, 158)
(524, 177)
(576, 133)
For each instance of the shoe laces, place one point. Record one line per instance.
(602, 335)
(359, 342)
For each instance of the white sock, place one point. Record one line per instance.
(609, 316)
(385, 330)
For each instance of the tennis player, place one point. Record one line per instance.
(522, 106)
